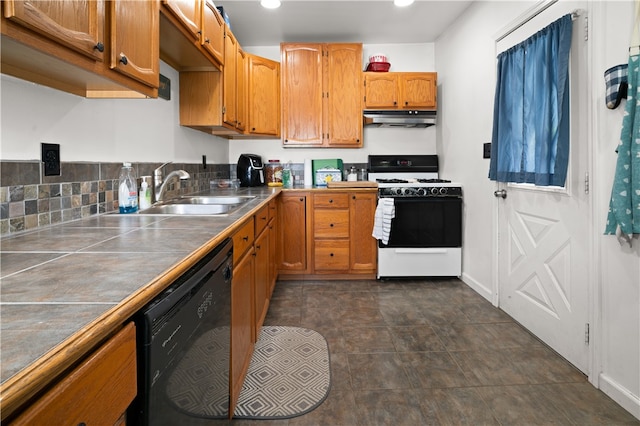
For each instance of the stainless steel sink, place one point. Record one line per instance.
(214, 199)
(199, 205)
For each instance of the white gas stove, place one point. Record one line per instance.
(425, 235)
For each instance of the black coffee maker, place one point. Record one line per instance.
(249, 170)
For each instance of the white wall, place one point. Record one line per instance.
(465, 62)
(107, 130)
(466, 78)
(619, 278)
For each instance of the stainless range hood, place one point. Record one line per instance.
(408, 118)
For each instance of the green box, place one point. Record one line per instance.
(334, 163)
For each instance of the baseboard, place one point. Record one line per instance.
(478, 287)
(621, 395)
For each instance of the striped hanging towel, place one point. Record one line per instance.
(385, 212)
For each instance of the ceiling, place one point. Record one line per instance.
(368, 22)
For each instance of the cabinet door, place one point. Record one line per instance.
(264, 96)
(75, 24)
(261, 281)
(293, 232)
(302, 94)
(188, 13)
(135, 38)
(229, 94)
(380, 90)
(212, 31)
(97, 392)
(418, 90)
(363, 253)
(242, 69)
(274, 258)
(241, 324)
(344, 95)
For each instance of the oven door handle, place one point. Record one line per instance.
(421, 250)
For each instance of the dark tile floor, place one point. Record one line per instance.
(432, 352)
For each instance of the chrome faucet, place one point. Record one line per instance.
(160, 184)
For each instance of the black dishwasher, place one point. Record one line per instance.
(183, 347)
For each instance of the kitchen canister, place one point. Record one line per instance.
(273, 173)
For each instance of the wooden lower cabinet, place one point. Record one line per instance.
(242, 311)
(261, 279)
(363, 248)
(327, 234)
(293, 248)
(97, 392)
(251, 288)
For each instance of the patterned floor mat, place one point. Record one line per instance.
(289, 375)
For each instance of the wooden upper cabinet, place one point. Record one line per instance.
(212, 34)
(381, 90)
(77, 25)
(400, 90)
(242, 90)
(418, 90)
(229, 94)
(321, 94)
(188, 13)
(135, 42)
(302, 93)
(90, 48)
(264, 96)
(343, 123)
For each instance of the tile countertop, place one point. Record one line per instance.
(67, 287)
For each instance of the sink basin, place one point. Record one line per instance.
(214, 199)
(199, 205)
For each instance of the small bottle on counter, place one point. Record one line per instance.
(353, 175)
(273, 173)
(287, 177)
(127, 190)
(145, 193)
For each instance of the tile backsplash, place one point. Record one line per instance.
(29, 200)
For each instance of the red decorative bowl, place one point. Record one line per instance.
(378, 66)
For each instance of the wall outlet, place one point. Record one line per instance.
(486, 150)
(51, 158)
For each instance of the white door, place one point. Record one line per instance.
(544, 234)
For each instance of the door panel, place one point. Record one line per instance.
(543, 233)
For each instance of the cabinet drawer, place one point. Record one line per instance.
(335, 200)
(97, 392)
(331, 223)
(262, 218)
(331, 255)
(243, 239)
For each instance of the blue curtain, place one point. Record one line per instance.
(530, 141)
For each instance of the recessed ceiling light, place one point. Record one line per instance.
(402, 3)
(271, 4)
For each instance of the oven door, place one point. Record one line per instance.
(426, 222)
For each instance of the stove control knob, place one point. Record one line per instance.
(422, 192)
(443, 190)
(397, 191)
(434, 191)
(407, 191)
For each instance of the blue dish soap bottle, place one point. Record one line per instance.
(127, 190)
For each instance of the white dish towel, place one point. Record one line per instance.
(385, 212)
